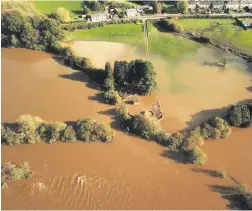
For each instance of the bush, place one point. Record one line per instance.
(196, 156)
(123, 114)
(68, 135)
(112, 97)
(245, 195)
(163, 138)
(172, 25)
(51, 131)
(89, 130)
(146, 127)
(221, 173)
(10, 137)
(12, 171)
(215, 128)
(27, 126)
(192, 141)
(176, 140)
(240, 115)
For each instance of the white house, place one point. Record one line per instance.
(131, 12)
(99, 17)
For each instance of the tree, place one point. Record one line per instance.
(29, 36)
(50, 32)
(12, 22)
(121, 70)
(142, 76)
(90, 130)
(109, 81)
(93, 5)
(63, 14)
(183, 6)
(146, 127)
(112, 97)
(157, 6)
(240, 115)
(85, 10)
(172, 25)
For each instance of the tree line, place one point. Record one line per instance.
(31, 129)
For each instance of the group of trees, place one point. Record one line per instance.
(29, 129)
(138, 75)
(37, 32)
(187, 142)
(172, 25)
(13, 171)
(88, 6)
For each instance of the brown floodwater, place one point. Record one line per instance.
(129, 173)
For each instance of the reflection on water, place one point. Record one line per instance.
(129, 173)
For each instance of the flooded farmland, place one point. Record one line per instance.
(129, 173)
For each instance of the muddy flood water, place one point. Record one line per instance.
(129, 173)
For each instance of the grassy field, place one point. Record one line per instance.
(241, 40)
(206, 25)
(225, 31)
(125, 33)
(160, 43)
(51, 6)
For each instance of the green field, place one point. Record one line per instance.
(160, 43)
(241, 40)
(209, 25)
(51, 6)
(225, 31)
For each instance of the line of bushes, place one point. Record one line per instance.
(187, 142)
(89, 25)
(13, 171)
(30, 130)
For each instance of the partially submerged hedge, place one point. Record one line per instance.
(30, 130)
(13, 171)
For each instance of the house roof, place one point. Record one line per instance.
(98, 15)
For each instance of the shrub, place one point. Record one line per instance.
(146, 127)
(27, 125)
(109, 84)
(97, 75)
(163, 138)
(245, 195)
(192, 141)
(51, 131)
(123, 114)
(89, 130)
(68, 135)
(172, 25)
(196, 156)
(221, 173)
(9, 136)
(12, 171)
(176, 140)
(239, 115)
(215, 128)
(112, 97)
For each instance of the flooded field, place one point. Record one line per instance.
(129, 173)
